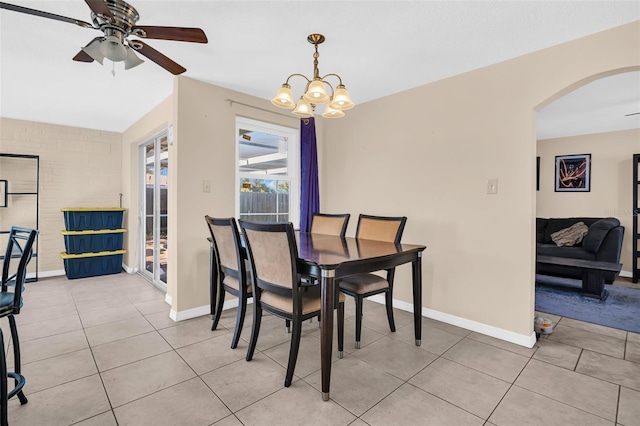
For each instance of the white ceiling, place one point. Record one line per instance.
(378, 47)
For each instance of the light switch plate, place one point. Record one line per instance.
(206, 186)
(492, 186)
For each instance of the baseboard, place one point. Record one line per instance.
(201, 310)
(489, 330)
(129, 269)
(47, 274)
(168, 299)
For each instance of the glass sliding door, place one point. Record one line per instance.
(154, 167)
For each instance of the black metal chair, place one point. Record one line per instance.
(361, 286)
(228, 271)
(278, 289)
(14, 274)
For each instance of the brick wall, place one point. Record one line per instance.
(78, 168)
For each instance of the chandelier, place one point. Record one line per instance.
(315, 91)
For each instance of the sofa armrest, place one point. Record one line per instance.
(611, 246)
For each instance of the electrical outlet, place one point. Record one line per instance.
(206, 186)
(492, 186)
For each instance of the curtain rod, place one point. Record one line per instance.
(231, 102)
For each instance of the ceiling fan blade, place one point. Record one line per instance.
(99, 7)
(83, 56)
(157, 57)
(194, 35)
(42, 14)
(633, 113)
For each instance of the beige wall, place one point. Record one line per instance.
(611, 189)
(426, 153)
(204, 149)
(78, 168)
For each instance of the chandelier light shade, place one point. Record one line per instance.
(303, 108)
(315, 92)
(284, 97)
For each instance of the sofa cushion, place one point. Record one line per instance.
(568, 252)
(541, 226)
(571, 236)
(597, 232)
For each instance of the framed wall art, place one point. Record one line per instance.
(573, 173)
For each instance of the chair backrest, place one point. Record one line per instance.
(16, 258)
(227, 246)
(329, 224)
(273, 256)
(381, 228)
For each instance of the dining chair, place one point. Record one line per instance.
(228, 269)
(14, 273)
(361, 286)
(278, 289)
(329, 224)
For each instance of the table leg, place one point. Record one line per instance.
(326, 328)
(593, 283)
(416, 268)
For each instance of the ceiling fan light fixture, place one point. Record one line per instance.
(113, 49)
(93, 49)
(132, 60)
(284, 97)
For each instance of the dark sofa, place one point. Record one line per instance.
(603, 242)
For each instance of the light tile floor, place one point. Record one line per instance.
(102, 351)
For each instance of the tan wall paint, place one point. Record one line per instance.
(426, 153)
(610, 195)
(78, 168)
(205, 150)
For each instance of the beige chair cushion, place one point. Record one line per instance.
(234, 283)
(378, 229)
(327, 225)
(310, 302)
(363, 283)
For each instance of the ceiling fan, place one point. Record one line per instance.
(117, 21)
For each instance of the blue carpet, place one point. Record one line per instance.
(560, 296)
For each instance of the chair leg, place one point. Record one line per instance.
(287, 325)
(388, 297)
(340, 329)
(255, 329)
(3, 384)
(242, 309)
(359, 302)
(214, 325)
(16, 355)
(293, 352)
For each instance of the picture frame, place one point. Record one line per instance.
(573, 173)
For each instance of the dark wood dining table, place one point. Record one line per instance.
(329, 258)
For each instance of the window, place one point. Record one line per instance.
(268, 188)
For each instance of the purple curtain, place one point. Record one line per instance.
(309, 190)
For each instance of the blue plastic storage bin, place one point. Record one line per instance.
(77, 242)
(90, 218)
(92, 264)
